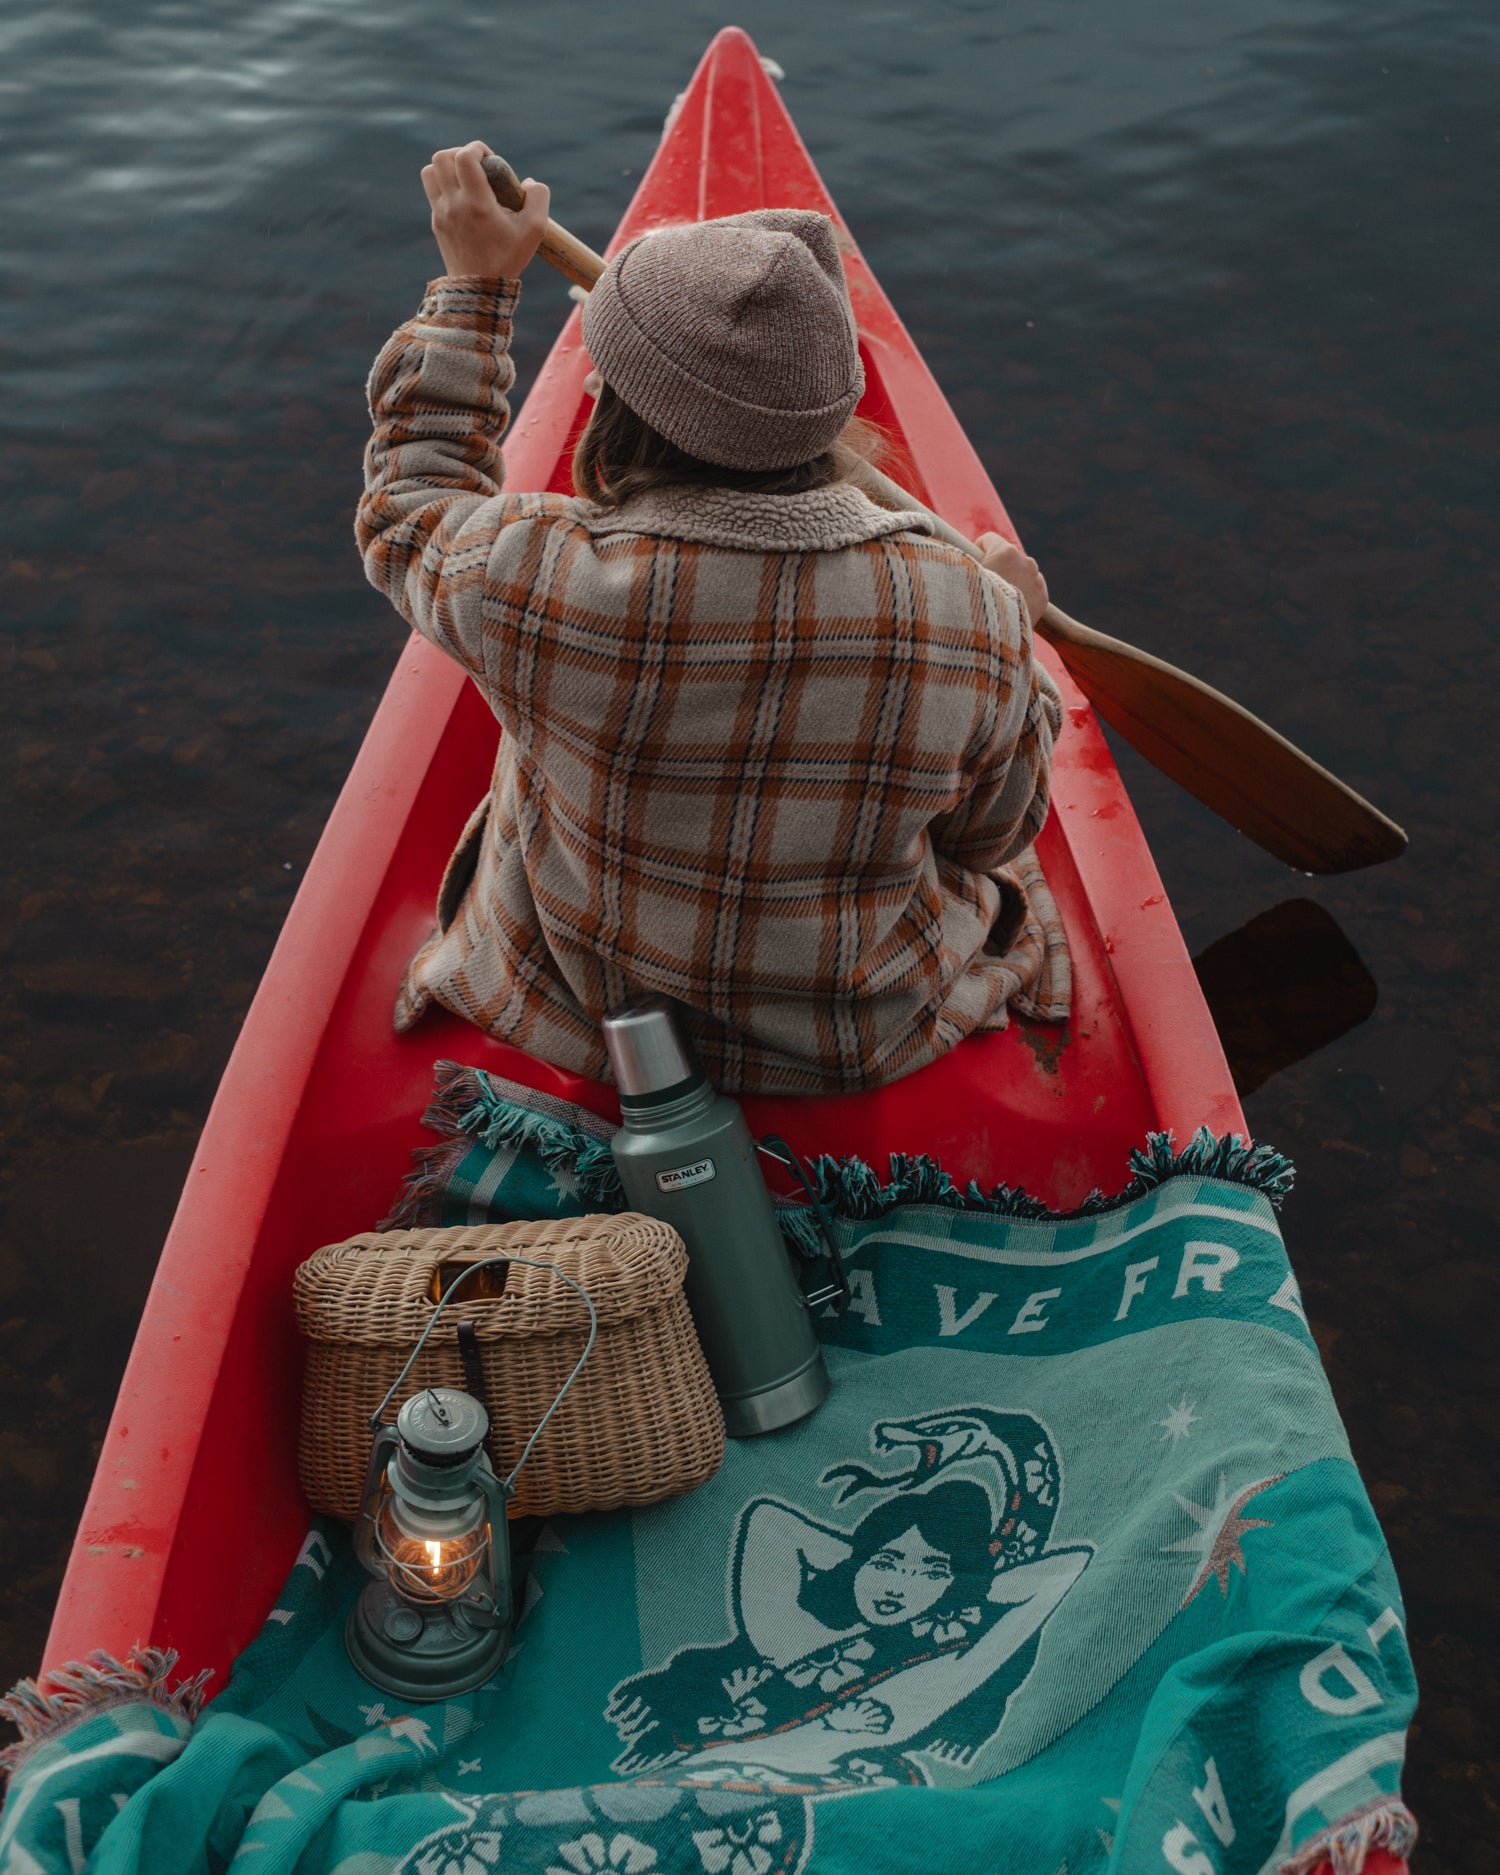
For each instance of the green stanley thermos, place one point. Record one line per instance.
(686, 1156)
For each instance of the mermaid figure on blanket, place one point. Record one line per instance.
(855, 1649)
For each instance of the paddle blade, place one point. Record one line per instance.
(1230, 760)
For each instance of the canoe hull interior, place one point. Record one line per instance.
(195, 1517)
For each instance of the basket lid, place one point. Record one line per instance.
(380, 1289)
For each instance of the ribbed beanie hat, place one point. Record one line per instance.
(733, 338)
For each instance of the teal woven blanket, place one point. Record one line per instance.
(1072, 1571)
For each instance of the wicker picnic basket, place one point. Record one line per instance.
(640, 1423)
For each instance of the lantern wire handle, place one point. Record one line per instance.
(457, 1283)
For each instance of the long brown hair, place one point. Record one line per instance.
(619, 456)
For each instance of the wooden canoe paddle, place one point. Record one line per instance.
(1206, 742)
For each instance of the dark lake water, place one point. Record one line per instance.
(1213, 289)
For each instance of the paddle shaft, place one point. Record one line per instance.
(1206, 742)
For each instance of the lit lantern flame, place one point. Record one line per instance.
(428, 1568)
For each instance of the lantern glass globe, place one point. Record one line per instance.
(424, 1566)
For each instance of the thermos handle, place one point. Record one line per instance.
(836, 1292)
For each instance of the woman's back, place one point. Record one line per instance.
(765, 751)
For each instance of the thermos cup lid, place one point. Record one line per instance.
(648, 1051)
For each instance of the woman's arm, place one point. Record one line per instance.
(1009, 782)
(1008, 759)
(776, 1547)
(438, 405)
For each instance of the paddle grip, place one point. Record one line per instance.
(570, 256)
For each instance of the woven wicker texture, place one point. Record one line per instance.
(640, 1423)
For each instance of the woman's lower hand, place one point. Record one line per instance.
(1016, 569)
(869, 1716)
(474, 233)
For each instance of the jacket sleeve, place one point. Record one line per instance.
(432, 507)
(1010, 766)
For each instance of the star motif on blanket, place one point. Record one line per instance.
(1179, 1418)
(1217, 1538)
(564, 1182)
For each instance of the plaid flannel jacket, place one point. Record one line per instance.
(782, 758)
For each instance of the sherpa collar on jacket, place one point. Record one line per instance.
(817, 521)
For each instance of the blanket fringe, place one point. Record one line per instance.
(82, 1688)
(1345, 1847)
(851, 1188)
(419, 1204)
(466, 1107)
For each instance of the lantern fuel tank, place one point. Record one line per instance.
(686, 1156)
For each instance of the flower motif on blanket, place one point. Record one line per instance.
(622, 1829)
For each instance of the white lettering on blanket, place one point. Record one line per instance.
(1029, 1317)
(862, 1297)
(1359, 1697)
(950, 1322)
(1211, 1801)
(1135, 1284)
(1204, 1264)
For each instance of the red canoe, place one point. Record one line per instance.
(195, 1516)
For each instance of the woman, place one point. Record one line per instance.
(855, 1650)
(769, 748)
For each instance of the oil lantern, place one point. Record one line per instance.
(435, 1620)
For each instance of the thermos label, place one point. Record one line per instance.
(680, 1177)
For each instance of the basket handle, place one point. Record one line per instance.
(530, 1263)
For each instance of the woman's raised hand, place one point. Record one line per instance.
(474, 233)
(1016, 569)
